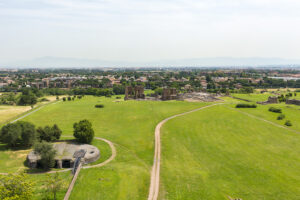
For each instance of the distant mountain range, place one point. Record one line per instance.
(61, 62)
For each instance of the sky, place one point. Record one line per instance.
(148, 30)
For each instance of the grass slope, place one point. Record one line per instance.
(130, 125)
(218, 152)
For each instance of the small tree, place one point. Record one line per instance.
(54, 184)
(56, 132)
(47, 153)
(83, 131)
(16, 186)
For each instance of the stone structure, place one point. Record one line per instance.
(134, 93)
(271, 100)
(66, 154)
(293, 101)
(169, 94)
(199, 97)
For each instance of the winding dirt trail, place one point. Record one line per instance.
(154, 184)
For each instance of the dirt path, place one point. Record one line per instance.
(273, 123)
(37, 109)
(154, 184)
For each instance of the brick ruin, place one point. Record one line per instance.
(136, 92)
(169, 94)
(271, 100)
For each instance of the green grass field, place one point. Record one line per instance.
(130, 126)
(211, 154)
(218, 153)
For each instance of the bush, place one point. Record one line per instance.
(118, 97)
(69, 98)
(281, 117)
(99, 106)
(18, 134)
(275, 110)
(64, 98)
(83, 131)
(47, 153)
(44, 99)
(16, 186)
(244, 105)
(288, 123)
(49, 134)
(57, 97)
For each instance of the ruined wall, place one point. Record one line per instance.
(293, 101)
(134, 93)
(169, 94)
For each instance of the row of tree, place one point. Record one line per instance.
(24, 134)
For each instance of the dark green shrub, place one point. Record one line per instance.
(288, 123)
(281, 117)
(64, 98)
(69, 98)
(275, 110)
(244, 105)
(99, 106)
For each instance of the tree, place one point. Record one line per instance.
(27, 98)
(48, 133)
(83, 131)
(28, 133)
(11, 134)
(47, 154)
(54, 184)
(18, 133)
(56, 131)
(16, 186)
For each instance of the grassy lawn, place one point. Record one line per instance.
(130, 126)
(254, 97)
(10, 112)
(218, 153)
(39, 181)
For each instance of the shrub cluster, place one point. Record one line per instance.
(99, 106)
(288, 123)
(244, 105)
(48, 133)
(281, 117)
(275, 110)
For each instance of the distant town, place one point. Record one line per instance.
(114, 80)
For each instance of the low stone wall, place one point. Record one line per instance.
(240, 99)
(293, 101)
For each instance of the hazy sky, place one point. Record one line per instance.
(147, 30)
